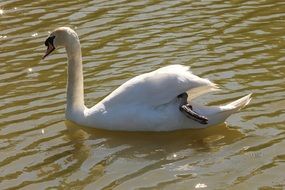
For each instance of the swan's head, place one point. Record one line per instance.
(60, 37)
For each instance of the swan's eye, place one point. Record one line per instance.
(49, 40)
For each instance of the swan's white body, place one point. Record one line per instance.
(147, 102)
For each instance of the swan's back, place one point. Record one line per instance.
(156, 88)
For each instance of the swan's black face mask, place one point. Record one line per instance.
(50, 46)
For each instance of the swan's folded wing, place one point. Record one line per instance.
(158, 87)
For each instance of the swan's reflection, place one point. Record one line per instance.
(104, 157)
(154, 145)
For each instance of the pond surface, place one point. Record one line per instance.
(238, 44)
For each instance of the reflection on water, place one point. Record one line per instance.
(138, 153)
(237, 44)
(167, 142)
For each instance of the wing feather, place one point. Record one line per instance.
(158, 87)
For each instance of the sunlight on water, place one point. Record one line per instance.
(35, 34)
(200, 186)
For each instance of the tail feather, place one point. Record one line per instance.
(238, 104)
(218, 114)
(223, 112)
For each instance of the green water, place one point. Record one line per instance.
(237, 44)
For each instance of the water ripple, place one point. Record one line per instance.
(237, 44)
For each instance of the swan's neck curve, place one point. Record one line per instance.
(75, 90)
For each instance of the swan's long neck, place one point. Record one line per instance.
(75, 89)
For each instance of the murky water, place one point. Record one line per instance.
(237, 44)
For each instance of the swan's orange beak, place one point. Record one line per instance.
(50, 46)
(50, 49)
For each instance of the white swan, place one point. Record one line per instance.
(148, 102)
